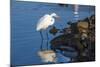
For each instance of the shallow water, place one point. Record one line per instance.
(25, 40)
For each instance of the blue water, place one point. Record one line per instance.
(25, 40)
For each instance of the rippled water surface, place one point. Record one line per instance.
(25, 40)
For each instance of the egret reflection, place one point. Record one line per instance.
(47, 56)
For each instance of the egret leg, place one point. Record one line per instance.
(41, 46)
(47, 39)
(41, 35)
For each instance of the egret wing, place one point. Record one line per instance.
(43, 22)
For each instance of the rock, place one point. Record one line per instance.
(83, 25)
(53, 30)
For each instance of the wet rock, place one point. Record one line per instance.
(53, 30)
(82, 26)
(77, 41)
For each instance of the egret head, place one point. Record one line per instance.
(55, 15)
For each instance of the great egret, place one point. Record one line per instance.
(44, 22)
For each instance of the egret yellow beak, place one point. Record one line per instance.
(57, 17)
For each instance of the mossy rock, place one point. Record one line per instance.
(83, 25)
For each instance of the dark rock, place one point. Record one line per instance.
(53, 30)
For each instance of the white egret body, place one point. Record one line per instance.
(46, 21)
